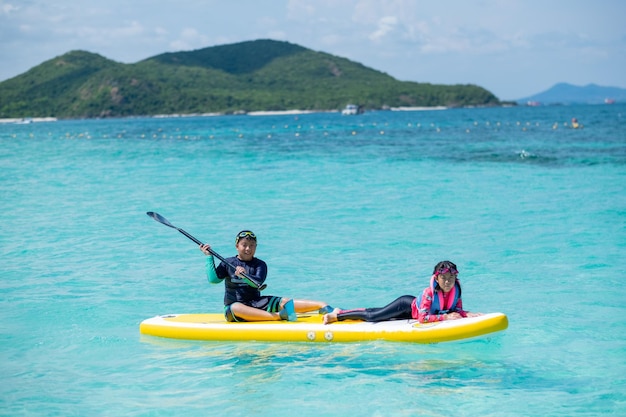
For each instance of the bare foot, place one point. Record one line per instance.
(331, 317)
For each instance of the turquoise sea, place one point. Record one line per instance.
(352, 210)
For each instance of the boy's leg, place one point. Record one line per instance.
(248, 313)
(303, 306)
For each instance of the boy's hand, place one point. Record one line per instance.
(206, 249)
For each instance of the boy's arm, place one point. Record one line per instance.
(211, 273)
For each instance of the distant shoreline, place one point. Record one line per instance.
(27, 120)
(294, 112)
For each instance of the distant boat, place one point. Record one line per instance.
(533, 103)
(609, 101)
(352, 109)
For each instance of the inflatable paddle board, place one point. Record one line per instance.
(309, 328)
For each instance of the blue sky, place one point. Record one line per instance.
(514, 48)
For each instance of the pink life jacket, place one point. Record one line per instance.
(437, 307)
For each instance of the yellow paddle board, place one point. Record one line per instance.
(309, 328)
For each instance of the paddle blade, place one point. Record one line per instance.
(163, 220)
(160, 219)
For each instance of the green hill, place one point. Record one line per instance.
(247, 76)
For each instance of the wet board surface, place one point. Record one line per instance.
(309, 328)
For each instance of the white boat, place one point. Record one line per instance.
(352, 109)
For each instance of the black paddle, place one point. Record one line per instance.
(250, 281)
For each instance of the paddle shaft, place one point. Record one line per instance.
(252, 282)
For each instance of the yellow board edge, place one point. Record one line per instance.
(309, 328)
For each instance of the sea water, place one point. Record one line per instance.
(351, 210)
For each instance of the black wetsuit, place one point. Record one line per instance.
(237, 290)
(400, 308)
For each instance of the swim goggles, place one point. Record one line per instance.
(446, 270)
(245, 234)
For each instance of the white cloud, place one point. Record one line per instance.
(277, 34)
(159, 30)
(189, 38)
(505, 46)
(298, 9)
(385, 26)
(102, 34)
(7, 8)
